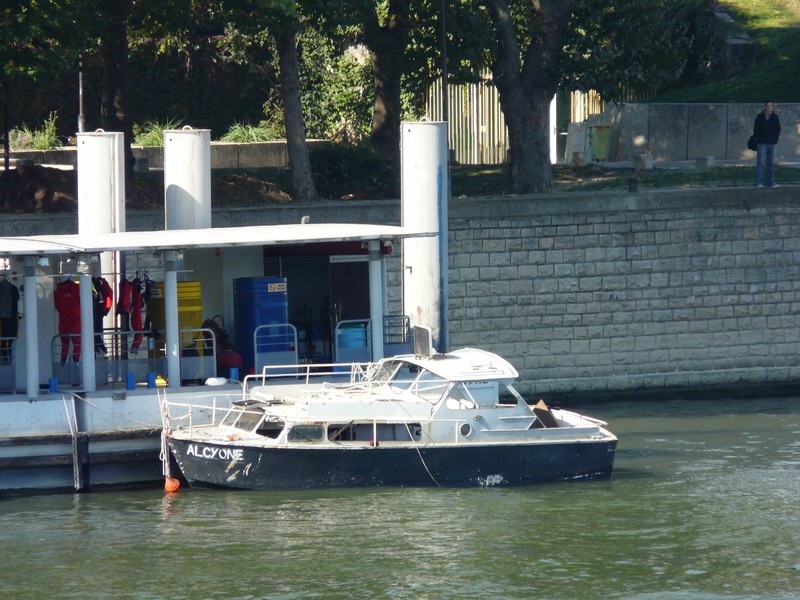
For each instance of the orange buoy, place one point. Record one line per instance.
(171, 484)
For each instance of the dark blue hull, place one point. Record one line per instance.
(244, 467)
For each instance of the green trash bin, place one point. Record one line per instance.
(600, 139)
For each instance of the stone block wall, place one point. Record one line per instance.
(605, 293)
(597, 293)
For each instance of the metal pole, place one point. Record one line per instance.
(443, 56)
(81, 117)
(31, 321)
(375, 299)
(6, 142)
(171, 319)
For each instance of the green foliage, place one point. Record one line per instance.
(44, 138)
(621, 50)
(772, 26)
(245, 133)
(38, 37)
(348, 171)
(338, 91)
(152, 133)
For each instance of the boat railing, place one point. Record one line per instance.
(192, 414)
(307, 373)
(120, 354)
(116, 353)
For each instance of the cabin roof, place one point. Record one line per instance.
(213, 237)
(466, 364)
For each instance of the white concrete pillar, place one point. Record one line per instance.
(101, 196)
(425, 191)
(187, 178)
(101, 182)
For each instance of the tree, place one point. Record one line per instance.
(302, 177)
(387, 39)
(527, 78)
(247, 21)
(618, 49)
(612, 47)
(114, 55)
(36, 38)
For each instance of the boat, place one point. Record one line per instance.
(422, 419)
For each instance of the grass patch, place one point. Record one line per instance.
(243, 133)
(774, 27)
(489, 180)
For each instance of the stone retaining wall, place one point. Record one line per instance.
(602, 293)
(223, 155)
(680, 132)
(596, 293)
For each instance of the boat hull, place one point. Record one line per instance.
(238, 466)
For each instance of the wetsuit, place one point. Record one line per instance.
(68, 305)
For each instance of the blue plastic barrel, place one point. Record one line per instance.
(259, 301)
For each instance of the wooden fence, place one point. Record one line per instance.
(477, 130)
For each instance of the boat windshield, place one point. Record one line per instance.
(247, 420)
(404, 376)
(386, 371)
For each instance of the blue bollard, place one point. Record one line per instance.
(151, 380)
(130, 381)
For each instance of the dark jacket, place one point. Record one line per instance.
(767, 131)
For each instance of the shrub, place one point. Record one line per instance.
(44, 138)
(152, 133)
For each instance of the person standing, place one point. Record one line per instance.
(767, 130)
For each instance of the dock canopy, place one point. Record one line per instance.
(215, 237)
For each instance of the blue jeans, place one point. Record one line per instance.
(765, 157)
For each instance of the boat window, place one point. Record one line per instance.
(341, 432)
(306, 433)
(430, 386)
(249, 420)
(386, 371)
(399, 375)
(230, 418)
(271, 429)
(459, 398)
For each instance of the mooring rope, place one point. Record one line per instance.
(113, 414)
(414, 443)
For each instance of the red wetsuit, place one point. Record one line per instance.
(67, 299)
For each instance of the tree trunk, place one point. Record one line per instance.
(387, 46)
(526, 89)
(299, 162)
(114, 54)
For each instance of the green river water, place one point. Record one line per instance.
(704, 502)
